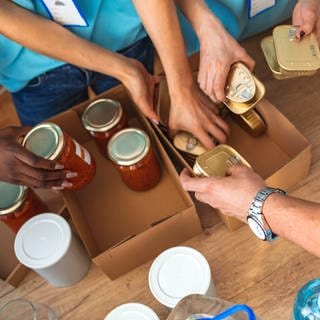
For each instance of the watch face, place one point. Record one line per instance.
(256, 228)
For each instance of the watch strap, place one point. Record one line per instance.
(256, 210)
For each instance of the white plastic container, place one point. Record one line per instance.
(47, 245)
(132, 311)
(179, 272)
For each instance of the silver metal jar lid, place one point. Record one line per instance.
(102, 115)
(11, 197)
(128, 146)
(45, 140)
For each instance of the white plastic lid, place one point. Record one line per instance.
(132, 311)
(42, 241)
(177, 273)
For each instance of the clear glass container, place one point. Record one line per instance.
(103, 118)
(48, 141)
(307, 302)
(21, 309)
(18, 204)
(133, 156)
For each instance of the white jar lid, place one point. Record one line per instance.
(177, 273)
(42, 241)
(132, 311)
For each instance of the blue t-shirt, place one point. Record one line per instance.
(115, 25)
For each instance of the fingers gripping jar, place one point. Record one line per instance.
(134, 158)
(103, 118)
(18, 204)
(48, 141)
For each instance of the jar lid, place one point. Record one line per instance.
(128, 146)
(11, 197)
(42, 241)
(177, 273)
(102, 115)
(45, 140)
(132, 311)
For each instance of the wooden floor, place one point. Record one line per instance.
(245, 270)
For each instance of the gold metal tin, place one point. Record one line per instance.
(252, 122)
(11, 197)
(217, 161)
(267, 46)
(186, 142)
(302, 57)
(45, 140)
(240, 76)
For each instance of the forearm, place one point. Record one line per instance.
(295, 219)
(50, 39)
(161, 22)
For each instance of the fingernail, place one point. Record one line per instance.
(155, 121)
(57, 188)
(66, 184)
(71, 175)
(302, 34)
(58, 166)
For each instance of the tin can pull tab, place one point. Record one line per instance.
(231, 311)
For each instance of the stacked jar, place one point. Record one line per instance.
(18, 204)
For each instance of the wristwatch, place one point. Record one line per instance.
(255, 218)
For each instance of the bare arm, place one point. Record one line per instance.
(294, 219)
(51, 39)
(218, 50)
(191, 110)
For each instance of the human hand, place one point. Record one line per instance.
(141, 84)
(232, 194)
(218, 51)
(306, 16)
(19, 166)
(192, 111)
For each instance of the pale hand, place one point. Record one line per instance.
(141, 85)
(232, 194)
(306, 16)
(218, 51)
(192, 111)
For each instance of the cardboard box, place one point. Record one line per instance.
(282, 155)
(10, 269)
(120, 228)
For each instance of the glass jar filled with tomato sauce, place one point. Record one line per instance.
(131, 152)
(48, 141)
(18, 204)
(103, 118)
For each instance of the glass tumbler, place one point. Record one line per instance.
(18, 309)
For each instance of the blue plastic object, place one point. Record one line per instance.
(231, 311)
(307, 302)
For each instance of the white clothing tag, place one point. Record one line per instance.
(258, 6)
(65, 12)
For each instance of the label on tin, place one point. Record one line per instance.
(258, 6)
(65, 12)
(82, 153)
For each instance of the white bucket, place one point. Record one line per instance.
(132, 311)
(179, 272)
(46, 244)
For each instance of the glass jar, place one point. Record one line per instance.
(307, 302)
(134, 158)
(18, 309)
(103, 118)
(48, 141)
(18, 204)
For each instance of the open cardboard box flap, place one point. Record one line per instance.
(282, 155)
(120, 228)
